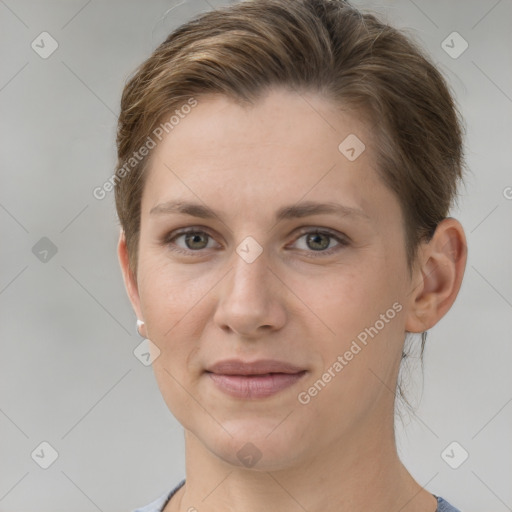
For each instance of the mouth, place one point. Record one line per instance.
(252, 380)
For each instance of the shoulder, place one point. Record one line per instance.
(159, 503)
(444, 506)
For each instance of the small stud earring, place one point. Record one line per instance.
(139, 324)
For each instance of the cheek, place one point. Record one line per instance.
(170, 306)
(360, 318)
(361, 358)
(170, 294)
(346, 300)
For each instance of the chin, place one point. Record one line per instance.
(257, 445)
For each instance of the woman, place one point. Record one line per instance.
(284, 178)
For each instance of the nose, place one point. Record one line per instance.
(251, 299)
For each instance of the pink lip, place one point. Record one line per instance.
(255, 386)
(257, 379)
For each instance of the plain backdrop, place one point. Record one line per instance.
(68, 374)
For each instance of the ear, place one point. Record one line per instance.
(130, 281)
(438, 278)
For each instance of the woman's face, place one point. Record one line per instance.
(250, 283)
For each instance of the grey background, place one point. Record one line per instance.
(67, 370)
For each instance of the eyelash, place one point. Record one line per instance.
(342, 242)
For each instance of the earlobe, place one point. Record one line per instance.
(442, 265)
(130, 282)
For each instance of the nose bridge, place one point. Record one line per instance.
(250, 268)
(249, 298)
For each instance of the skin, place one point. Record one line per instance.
(292, 303)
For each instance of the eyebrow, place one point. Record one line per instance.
(304, 209)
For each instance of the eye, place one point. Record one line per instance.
(194, 240)
(320, 241)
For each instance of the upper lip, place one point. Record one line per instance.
(259, 367)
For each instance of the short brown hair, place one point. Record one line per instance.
(323, 46)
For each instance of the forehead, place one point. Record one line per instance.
(284, 118)
(286, 145)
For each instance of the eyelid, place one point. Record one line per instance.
(324, 231)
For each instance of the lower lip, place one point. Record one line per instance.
(255, 386)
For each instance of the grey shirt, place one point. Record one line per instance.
(159, 504)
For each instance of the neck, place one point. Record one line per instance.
(361, 471)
